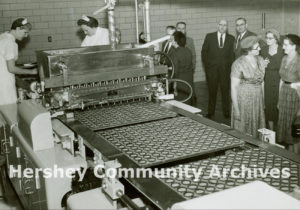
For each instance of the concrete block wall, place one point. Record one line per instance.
(57, 19)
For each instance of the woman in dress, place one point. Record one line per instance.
(274, 53)
(247, 75)
(183, 66)
(289, 101)
(95, 35)
(8, 55)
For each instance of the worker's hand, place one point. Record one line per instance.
(32, 71)
(175, 93)
(175, 89)
(296, 86)
(265, 63)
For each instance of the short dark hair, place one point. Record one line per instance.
(181, 22)
(142, 40)
(180, 38)
(22, 23)
(294, 40)
(171, 27)
(91, 22)
(241, 18)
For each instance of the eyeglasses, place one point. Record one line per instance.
(238, 25)
(257, 48)
(270, 38)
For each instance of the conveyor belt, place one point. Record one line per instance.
(123, 114)
(252, 158)
(167, 140)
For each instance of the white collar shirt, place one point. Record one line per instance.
(223, 38)
(167, 47)
(241, 35)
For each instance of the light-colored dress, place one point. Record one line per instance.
(289, 101)
(8, 51)
(249, 95)
(101, 37)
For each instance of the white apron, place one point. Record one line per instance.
(8, 51)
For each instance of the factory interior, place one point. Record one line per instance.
(120, 125)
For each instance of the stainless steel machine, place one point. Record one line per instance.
(103, 107)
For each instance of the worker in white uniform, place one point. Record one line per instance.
(8, 55)
(95, 35)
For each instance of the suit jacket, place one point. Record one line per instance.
(183, 69)
(163, 59)
(191, 46)
(237, 48)
(163, 45)
(214, 57)
(182, 59)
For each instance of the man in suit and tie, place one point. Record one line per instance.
(167, 45)
(242, 32)
(217, 56)
(181, 26)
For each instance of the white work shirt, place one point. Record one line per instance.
(8, 51)
(101, 37)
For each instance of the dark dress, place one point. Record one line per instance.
(183, 69)
(289, 101)
(272, 80)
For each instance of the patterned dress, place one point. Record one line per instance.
(288, 102)
(249, 95)
(272, 80)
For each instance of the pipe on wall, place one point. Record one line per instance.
(147, 20)
(111, 27)
(111, 21)
(142, 7)
(137, 21)
(263, 21)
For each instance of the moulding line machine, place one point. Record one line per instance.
(106, 107)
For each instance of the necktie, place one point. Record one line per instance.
(238, 41)
(221, 41)
(166, 50)
(167, 47)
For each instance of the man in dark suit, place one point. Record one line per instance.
(217, 56)
(242, 33)
(181, 26)
(167, 45)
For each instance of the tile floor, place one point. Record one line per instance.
(202, 103)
